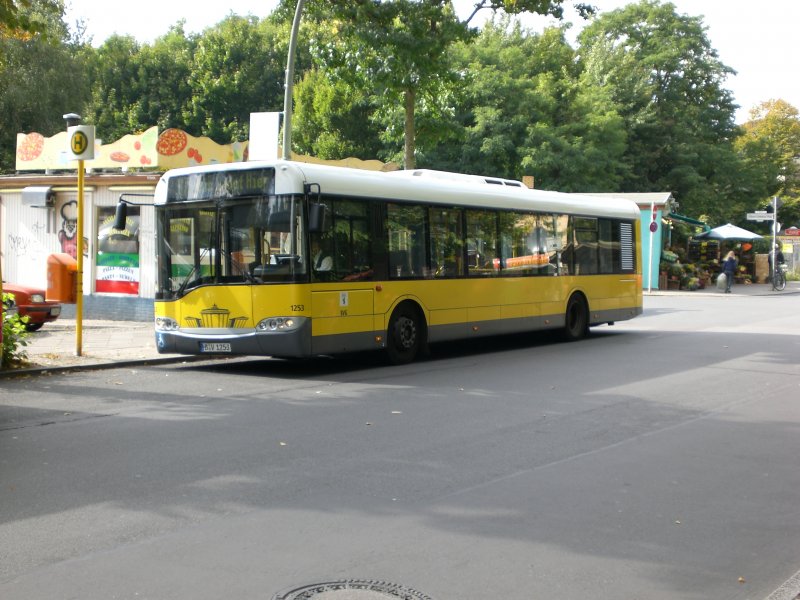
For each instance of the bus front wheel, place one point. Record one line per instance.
(576, 322)
(405, 336)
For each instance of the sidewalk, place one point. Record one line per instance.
(739, 289)
(104, 344)
(108, 344)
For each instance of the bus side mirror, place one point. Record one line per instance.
(280, 220)
(120, 216)
(317, 223)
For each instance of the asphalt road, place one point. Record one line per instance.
(656, 460)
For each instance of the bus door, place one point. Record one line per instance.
(342, 296)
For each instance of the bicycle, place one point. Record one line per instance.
(779, 278)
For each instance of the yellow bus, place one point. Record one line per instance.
(288, 259)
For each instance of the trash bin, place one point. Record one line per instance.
(62, 282)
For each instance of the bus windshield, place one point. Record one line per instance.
(243, 240)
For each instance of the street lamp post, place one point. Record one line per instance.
(287, 99)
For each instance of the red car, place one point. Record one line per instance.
(30, 302)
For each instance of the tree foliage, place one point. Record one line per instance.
(401, 48)
(669, 86)
(117, 89)
(206, 84)
(14, 335)
(41, 77)
(554, 8)
(639, 105)
(137, 86)
(237, 68)
(525, 110)
(332, 120)
(398, 49)
(16, 20)
(770, 144)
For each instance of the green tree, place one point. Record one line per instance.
(668, 84)
(137, 86)
(164, 69)
(16, 21)
(397, 50)
(525, 110)
(237, 68)
(400, 50)
(770, 143)
(332, 120)
(41, 77)
(116, 87)
(553, 8)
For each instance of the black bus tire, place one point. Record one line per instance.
(576, 319)
(405, 336)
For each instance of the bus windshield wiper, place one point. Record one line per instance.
(195, 269)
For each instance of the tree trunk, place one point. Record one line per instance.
(409, 159)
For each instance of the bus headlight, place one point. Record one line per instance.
(166, 324)
(278, 324)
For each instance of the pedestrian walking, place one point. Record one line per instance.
(729, 270)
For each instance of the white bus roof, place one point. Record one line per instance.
(433, 187)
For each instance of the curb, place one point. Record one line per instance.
(98, 366)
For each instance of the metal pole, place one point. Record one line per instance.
(79, 274)
(287, 99)
(772, 250)
(650, 262)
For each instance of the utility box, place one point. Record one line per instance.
(39, 196)
(62, 280)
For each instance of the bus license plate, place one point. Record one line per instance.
(215, 347)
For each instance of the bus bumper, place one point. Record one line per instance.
(290, 344)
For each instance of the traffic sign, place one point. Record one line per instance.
(78, 143)
(81, 142)
(761, 215)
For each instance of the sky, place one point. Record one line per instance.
(757, 40)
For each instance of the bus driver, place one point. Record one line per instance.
(320, 260)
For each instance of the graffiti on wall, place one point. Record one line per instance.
(27, 247)
(19, 244)
(68, 234)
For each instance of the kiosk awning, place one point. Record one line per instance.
(688, 220)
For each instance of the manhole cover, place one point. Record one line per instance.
(352, 590)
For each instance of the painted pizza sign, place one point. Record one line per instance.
(169, 149)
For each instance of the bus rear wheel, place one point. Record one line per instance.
(576, 321)
(405, 335)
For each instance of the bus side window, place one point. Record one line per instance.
(586, 245)
(483, 258)
(551, 243)
(564, 235)
(347, 241)
(609, 246)
(446, 242)
(405, 227)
